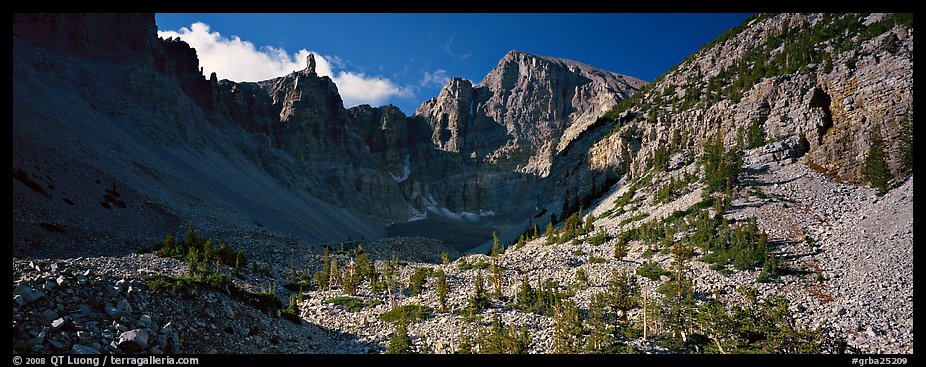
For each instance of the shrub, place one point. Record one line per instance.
(599, 238)
(399, 342)
(876, 170)
(352, 304)
(651, 270)
(406, 314)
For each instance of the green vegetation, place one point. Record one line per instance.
(399, 342)
(661, 157)
(905, 143)
(755, 137)
(567, 328)
(353, 304)
(742, 244)
(540, 301)
(634, 218)
(620, 247)
(757, 326)
(531, 233)
(599, 238)
(198, 247)
(678, 304)
(405, 314)
(623, 294)
(581, 278)
(479, 300)
(497, 339)
(572, 227)
(651, 270)
(475, 265)
(322, 278)
(721, 166)
(876, 169)
(418, 278)
(597, 260)
(498, 276)
(442, 290)
(202, 273)
(673, 189)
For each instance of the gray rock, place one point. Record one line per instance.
(58, 323)
(133, 341)
(50, 285)
(112, 311)
(28, 294)
(49, 314)
(19, 300)
(83, 349)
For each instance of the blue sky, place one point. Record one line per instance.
(405, 59)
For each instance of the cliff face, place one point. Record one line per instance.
(476, 157)
(816, 84)
(524, 111)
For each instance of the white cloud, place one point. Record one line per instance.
(438, 78)
(447, 47)
(239, 60)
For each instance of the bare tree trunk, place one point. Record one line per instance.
(718, 346)
(644, 315)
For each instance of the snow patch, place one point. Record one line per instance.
(408, 171)
(431, 205)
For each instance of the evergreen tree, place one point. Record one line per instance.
(496, 249)
(589, 223)
(876, 168)
(525, 295)
(567, 328)
(550, 234)
(661, 157)
(624, 293)
(755, 137)
(478, 301)
(321, 278)
(498, 276)
(620, 247)
(679, 294)
(400, 343)
(601, 330)
(905, 142)
(442, 290)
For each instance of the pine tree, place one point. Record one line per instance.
(679, 294)
(496, 249)
(755, 137)
(321, 278)
(905, 143)
(498, 276)
(876, 168)
(400, 343)
(601, 330)
(478, 301)
(624, 293)
(550, 234)
(620, 247)
(567, 328)
(442, 290)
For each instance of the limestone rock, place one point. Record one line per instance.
(133, 341)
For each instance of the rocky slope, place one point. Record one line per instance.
(815, 85)
(819, 83)
(291, 136)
